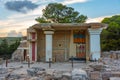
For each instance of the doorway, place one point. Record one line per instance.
(25, 54)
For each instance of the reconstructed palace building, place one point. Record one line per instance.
(60, 41)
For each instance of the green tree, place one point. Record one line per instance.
(13, 47)
(110, 37)
(4, 47)
(58, 13)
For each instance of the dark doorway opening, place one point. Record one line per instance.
(25, 54)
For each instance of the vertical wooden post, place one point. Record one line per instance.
(49, 62)
(6, 62)
(28, 62)
(55, 58)
(72, 62)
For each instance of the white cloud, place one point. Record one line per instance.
(34, 1)
(20, 22)
(3, 34)
(98, 19)
(33, 13)
(13, 33)
(44, 1)
(66, 2)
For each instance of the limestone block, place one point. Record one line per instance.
(2, 78)
(95, 75)
(114, 78)
(50, 71)
(31, 72)
(79, 74)
(57, 74)
(35, 71)
(14, 76)
(41, 73)
(96, 66)
(3, 70)
(48, 77)
(66, 76)
(38, 68)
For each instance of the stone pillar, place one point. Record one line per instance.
(48, 36)
(30, 46)
(95, 50)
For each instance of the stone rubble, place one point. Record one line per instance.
(39, 73)
(106, 68)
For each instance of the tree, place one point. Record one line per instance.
(58, 13)
(110, 37)
(14, 46)
(6, 49)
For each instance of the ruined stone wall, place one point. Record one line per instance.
(111, 54)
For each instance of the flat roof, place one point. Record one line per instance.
(68, 25)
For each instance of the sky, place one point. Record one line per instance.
(18, 15)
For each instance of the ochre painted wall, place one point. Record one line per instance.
(40, 45)
(63, 45)
(61, 40)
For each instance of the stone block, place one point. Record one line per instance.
(48, 77)
(114, 78)
(14, 76)
(96, 66)
(96, 75)
(35, 71)
(2, 78)
(31, 72)
(3, 70)
(79, 74)
(50, 71)
(57, 74)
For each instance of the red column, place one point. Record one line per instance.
(33, 47)
(33, 51)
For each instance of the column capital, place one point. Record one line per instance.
(30, 30)
(95, 31)
(49, 32)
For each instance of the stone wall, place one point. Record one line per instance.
(61, 40)
(40, 45)
(21, 52)
(61, 44)
(17, 55)
(111, 54)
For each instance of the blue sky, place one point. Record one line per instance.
(17, 15)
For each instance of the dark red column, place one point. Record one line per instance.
(33, 47)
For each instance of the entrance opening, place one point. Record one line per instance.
(25, 54)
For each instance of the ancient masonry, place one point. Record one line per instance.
(60, 41)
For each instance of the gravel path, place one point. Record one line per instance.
(57, 66)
